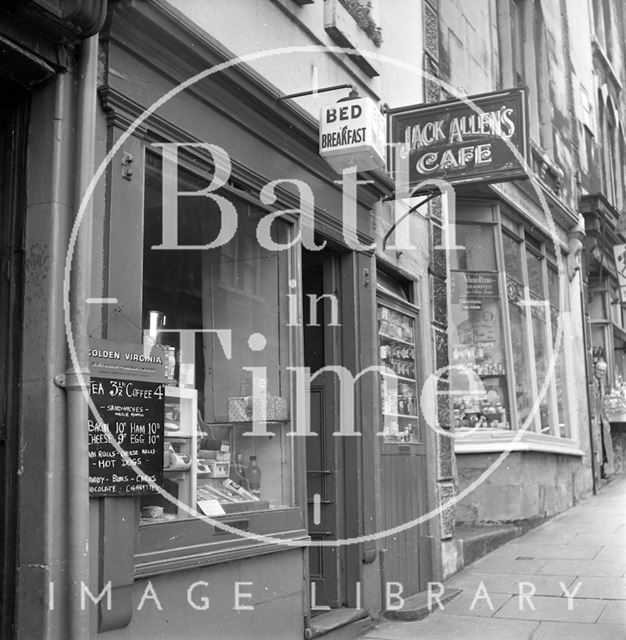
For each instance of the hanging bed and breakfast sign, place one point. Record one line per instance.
(462, 141)
(127, 389)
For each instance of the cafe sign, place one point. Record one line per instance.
(353, 133)
(462, 141)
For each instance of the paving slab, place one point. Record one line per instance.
(549, 585)
(479, 602)
(604, 588)
(450, 627)
(611, 555)
(547, 536)
(509, 565)
(550, 551)
(597, 568)
(593, 539)
(573, 631)
(552, 609)
(614, 613)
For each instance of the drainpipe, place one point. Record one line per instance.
(588, 383)
(77, 413)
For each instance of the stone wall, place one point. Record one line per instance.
(526, 486)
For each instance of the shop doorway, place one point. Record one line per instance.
(322, 347)
(13, 109)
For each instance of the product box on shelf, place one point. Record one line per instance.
(240, 408)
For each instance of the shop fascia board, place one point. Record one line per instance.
(170, 42)
(498, 441)
(244, 183)
(522, 199)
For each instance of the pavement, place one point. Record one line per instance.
(519, 591)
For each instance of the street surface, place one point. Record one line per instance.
(519, 591)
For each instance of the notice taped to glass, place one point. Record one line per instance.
(133, 412)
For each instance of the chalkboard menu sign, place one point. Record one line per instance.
(130, 402)
(133, 413)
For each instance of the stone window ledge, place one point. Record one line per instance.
(344, 31)
(500, 440)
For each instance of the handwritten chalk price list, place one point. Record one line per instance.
(133, 413)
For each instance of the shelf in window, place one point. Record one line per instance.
(389, 375)
(249, 424)
(399, 415)
(245, 423)
(177, 469)
(384, 335)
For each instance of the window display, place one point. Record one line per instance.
(477, 365)
(396, 338)
(498, 369)
(212, 463)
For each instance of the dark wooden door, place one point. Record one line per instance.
(13, 105)
(403, 471)
(403, 451)
(320, 349)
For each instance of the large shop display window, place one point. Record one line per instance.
(506, 301)
(211, 462)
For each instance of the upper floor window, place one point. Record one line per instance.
(611, 152)
(603, 24)
(517, 41)
(524, 59)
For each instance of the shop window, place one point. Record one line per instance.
(211, 464)
(535, 273)
(478, 251)
(616, 305)
(620, 363)
(518, 322)
(557, 305)
(608, 340)
(477, 356)
(505, 312)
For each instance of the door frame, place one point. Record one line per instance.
(339, 276)
(14, 113)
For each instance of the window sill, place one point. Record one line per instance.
(344, 31)
(499, 440)
(188, 544)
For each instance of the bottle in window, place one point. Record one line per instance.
(239, 472)
(254, 477)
